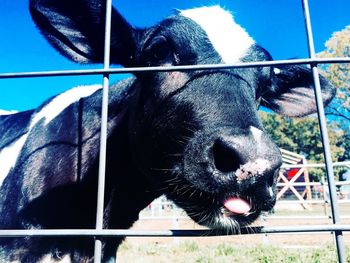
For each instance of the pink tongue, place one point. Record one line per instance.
(237, 205)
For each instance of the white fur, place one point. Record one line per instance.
(229, 39)
(252, 168)
(276, 71)
(50, 259)
(9, 155)
(5, 112)
(257, 133)
(62, 101)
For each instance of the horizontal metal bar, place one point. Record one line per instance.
(311, 183)
(170, 233)
(301, 217)
(312, 201)
(172, 68)
(266, 217)
(157, 218)
(314, 165)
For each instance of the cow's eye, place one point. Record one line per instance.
(158, 51)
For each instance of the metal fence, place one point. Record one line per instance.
(336, 227)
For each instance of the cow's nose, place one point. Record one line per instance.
(249, 159)
(227, 156)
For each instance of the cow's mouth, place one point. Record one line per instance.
(237, 211)
(229, 211)
(236, 206)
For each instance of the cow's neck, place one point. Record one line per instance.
(127, 190)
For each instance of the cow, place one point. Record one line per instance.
(193, 135)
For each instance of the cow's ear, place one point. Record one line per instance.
(291, 92)
(76, 29)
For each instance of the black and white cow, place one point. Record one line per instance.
(195, 136)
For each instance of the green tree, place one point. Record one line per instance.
(302, 135)
(339, 73)
(339, 110)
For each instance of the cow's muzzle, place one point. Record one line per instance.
(234, 174)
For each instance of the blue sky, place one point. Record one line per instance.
(277, 25)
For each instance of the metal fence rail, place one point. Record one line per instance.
(102, 71)
(99, 232)
(170, 233)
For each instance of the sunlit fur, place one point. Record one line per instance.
(229, 39)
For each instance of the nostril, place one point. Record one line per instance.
(226, 158)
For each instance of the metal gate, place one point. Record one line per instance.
(99, 232)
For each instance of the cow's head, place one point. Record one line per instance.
(197, 134)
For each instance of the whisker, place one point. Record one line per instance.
(163, 169)
(175, 154)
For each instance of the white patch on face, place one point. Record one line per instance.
(257, 133)
(9, 155)
(229, 39)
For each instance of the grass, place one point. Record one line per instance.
(191, 252)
